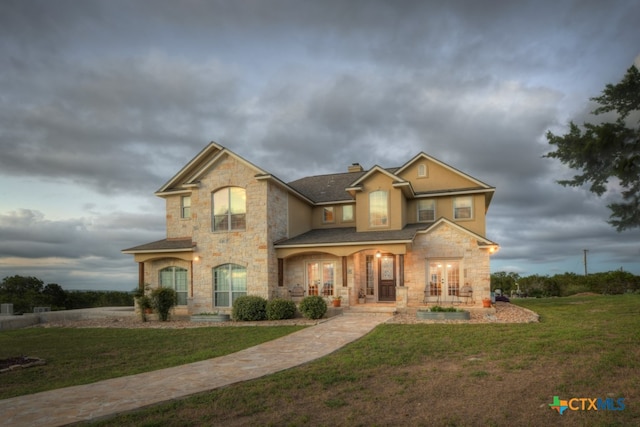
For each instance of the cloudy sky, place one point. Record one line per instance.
(101, 102)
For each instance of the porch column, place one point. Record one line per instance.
(141, 276)
(401, 268)
(344, 271)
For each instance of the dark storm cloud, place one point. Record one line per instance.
(29, 234)
(116, 96)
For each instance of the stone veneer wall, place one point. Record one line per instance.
(248, 248)
(277, 229)
(447, 242)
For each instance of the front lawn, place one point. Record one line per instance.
(446, 374)
(81, 356)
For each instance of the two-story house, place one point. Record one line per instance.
(403, 235)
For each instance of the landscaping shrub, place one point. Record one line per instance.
(278, 309)
(163, 300)
(313, 307)
(440, 309)
(249, 307)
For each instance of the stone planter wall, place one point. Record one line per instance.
(212, 318)
(443, 315)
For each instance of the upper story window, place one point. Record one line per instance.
(423, 172)
(176, 279)
(327, 214)
(229, 207)
(463, 207)
(426, 210)
(185, 207)
(378, 209)
(347, 213)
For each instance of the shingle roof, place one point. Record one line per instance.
(346, 235)
(163, 245)
(328, 188)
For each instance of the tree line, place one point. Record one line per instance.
(25, 293)
(560, 285)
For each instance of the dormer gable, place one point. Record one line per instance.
(375, 171)
(426, 173)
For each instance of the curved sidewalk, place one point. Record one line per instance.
(90, 401)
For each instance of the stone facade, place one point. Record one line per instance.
(277, 212)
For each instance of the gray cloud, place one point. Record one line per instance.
(116, 96)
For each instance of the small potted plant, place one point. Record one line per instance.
(144, 302)
(336, 301)
(361, 296)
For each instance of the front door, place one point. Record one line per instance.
(387, 278)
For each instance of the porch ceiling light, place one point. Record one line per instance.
(378, 254)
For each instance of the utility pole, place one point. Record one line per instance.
(585, 260)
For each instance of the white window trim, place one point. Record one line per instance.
(435, 210)
(353, 213)
(423, 171)
(182, 207)
(320, 286)
(174, 269)
(230, 291)
(326, 209)
(471, 217)
(371, 224)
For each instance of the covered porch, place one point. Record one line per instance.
(358, 267)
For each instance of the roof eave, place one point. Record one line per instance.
(324, 245)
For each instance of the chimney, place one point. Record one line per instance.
(355, 167)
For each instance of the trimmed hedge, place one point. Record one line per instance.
(313, 307)
(249, 308)
(279, 309)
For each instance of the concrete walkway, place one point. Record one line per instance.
(86, 402)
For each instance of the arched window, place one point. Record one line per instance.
(378, 209)
(229, 207)
(229, 283)
(176, 279)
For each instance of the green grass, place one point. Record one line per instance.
(426, 374)
(445, 374)
(81, 356)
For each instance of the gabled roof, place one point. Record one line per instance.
(189, 175)
(319, 189)
(374, 170)
(482, 241)
(424, 156)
